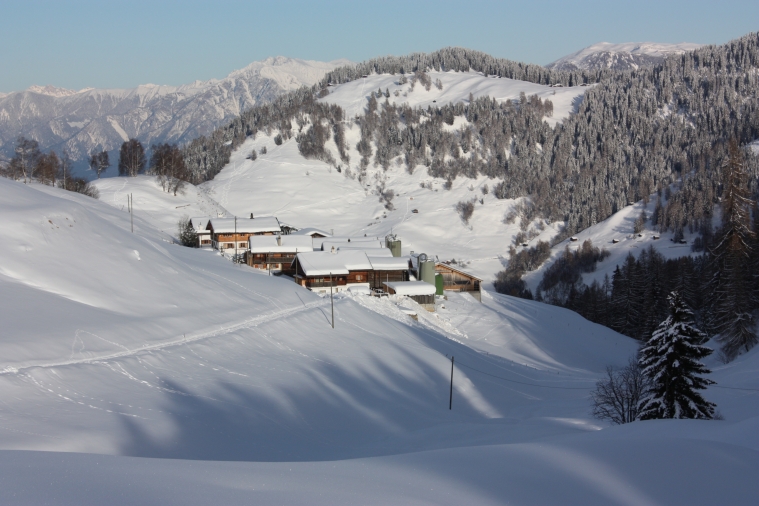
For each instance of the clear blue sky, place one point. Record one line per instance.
(118, 44)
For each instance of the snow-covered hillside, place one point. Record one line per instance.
(128, 345)
(624, 56)
(85, 120)
(457, 87)
(620, 228)
(303, 193)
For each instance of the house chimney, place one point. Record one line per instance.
(279, 240)
(333, 250)
(251, 216)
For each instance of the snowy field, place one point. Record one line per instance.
(136, 371)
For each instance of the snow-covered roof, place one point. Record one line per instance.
(319, 241)
(454, 268)
(411, 287)
(200, 223)
(289, 244)
(311, 231)
(364, 245)
(321, 263)
(388, 263)
(245, 225)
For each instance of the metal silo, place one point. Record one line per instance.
(393, 244)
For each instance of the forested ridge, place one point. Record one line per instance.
(635, 132)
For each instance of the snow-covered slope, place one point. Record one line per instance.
(305, 193)
(457, 86)
(624, 56)
(129, 345)
(92, 119)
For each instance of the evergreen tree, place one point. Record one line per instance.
(671, 361)
(187, 234)
(734, 300)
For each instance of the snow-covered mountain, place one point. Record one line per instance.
(85, 120)
(624, 56)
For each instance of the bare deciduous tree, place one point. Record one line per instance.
(131, 158)
(617, 396)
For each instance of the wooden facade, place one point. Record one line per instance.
(274, 261)
(457, 280)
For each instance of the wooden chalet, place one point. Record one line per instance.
(350, 268)
(276, 253)
(421, 292)
(231, 233)
(456, 280)
(200, 224)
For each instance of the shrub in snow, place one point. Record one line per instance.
(671, 361)
(617, 396)
(465, 210)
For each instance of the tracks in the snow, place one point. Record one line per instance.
(251, 322)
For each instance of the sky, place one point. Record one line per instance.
(119, 44)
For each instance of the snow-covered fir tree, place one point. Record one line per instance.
(671, 360)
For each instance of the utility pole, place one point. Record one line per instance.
(234, 259)
(450, 398)
(131, 214)
(331, 300)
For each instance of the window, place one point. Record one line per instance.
(243, 245)
(205, 241)
(229, 245)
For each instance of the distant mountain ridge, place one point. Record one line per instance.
(624, 56)
(95, 119)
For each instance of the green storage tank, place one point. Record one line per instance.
(393, 244)
(439, 284)
(427, 271)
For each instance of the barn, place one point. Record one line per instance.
(457, 280)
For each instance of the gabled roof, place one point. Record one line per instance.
(311, 231)
(289, 244)
(244, 225)
(411, 287)
(456, 269)
(200, 223)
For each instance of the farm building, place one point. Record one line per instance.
(200, 224)
(276, 253)
(233, 233)
(349, 268)
(420, 291)
(456, 280)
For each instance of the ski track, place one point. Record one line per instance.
(251, 322)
